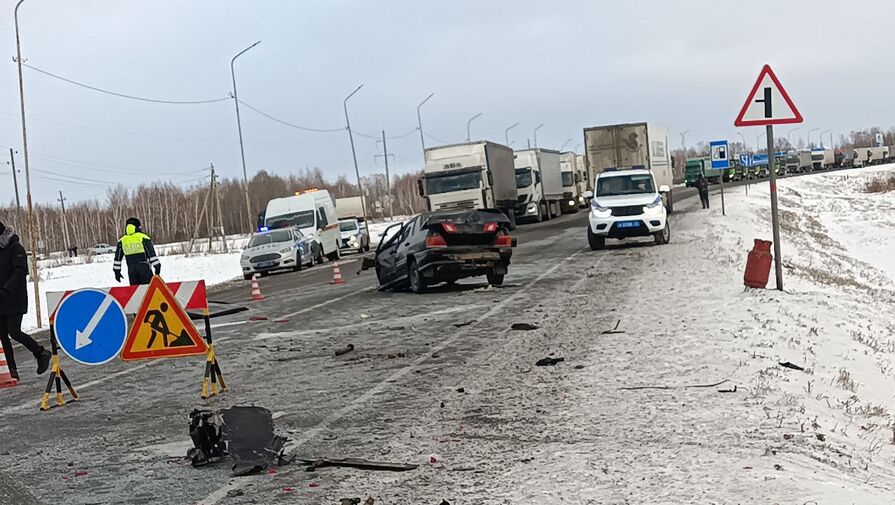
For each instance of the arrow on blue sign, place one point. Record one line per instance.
(90, 327)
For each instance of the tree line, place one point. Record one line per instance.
(169, 213)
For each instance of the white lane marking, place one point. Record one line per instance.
(293, 334)
(217, 495)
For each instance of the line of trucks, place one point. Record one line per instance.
(787, 162)
(537, 184)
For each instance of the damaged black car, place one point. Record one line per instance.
(444, 247)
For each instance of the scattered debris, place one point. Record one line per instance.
(613, 331)
(80, 473)
(363, 464)
(281, 320)
(444, 502)
(233, 493)
(244, 433)
(364, 315)
(288, 489)
(349, 501)
(549, 361)
(396, 355)
(313, 484)
(787, 364)
(258, 317)
(733, 390)
(579, 367)
(461, 390)
(788, 436)
(778, 467)
(345, 350)
(820, 436)
(369, 501)
(433, 459)
(467, 323)
(523, 327)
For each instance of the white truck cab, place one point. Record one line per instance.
(313, 212)
(625, 204)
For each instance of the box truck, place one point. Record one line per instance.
(631, 146)
(472, 175)
(539, 182)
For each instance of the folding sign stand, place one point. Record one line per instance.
(213, 373)
(57, 375)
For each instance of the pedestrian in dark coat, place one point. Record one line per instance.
(702, 185)
(14, 302)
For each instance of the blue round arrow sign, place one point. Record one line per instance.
(90, 326)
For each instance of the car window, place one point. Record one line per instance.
(321, 218)
(390, 236)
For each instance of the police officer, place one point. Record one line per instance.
(136, 247)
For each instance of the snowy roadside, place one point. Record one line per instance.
(688, 402)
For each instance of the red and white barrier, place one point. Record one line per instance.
(191, 295)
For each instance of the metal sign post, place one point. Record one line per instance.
(720, 150)
(769, 104)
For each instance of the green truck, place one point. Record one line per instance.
(703, 166)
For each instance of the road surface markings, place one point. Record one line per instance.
(219, 494)
(327, 302)
(293, 334)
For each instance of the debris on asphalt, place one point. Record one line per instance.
(362, 464)
(467, 323)
(787, 364)
(732, 390)
(444, 502)
(778, 467)
(345, 350)
(523, 327)
(349, 501)
(613, 331)
(288, 489)
(549, 361)
(313, 484)
(396, 355)
(364, 315)
(246, 434)
(461, 390)
(820, 436)
(433, 459)
(369, 501)
(233, 493)
(579, 367)
(258, 317)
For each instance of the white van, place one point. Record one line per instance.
(314, 213)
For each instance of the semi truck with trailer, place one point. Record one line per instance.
(631, 146)
(472, 175)
(539, 183)
(572, 199)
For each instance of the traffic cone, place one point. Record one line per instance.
(256, 289)
(337, 274)
(6, 378)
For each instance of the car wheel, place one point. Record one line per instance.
(297, 267)
(415, 278)
(662, 237)
(494, 279)
(596, 242)
(247, 277)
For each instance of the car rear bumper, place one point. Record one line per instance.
(463, 261)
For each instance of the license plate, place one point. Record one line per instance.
(266, 264)
(627, 224)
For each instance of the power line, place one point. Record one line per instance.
(433, 137)
(379, 137)
(99, 167)
(122, 95)
(292, 125)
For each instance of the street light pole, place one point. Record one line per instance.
(684, 141)
(468, 134)
(506, 134)
(32, 232)
(419, 122)
(363, 201)
(809, 135)
(790, 132)
(821, 136)
(535, 134)
(242, 153)
(743, 139)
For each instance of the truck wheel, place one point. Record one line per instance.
(596, 242)
(662, 237)
(546, 207)
(415, 278)
(494, 279)
(670, 202)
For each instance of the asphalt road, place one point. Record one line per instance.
(124, 441)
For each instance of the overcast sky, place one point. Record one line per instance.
(567, 64)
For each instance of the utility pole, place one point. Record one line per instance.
(468, 123)
(15, 185)
(388, 181)
(242, 153)
(419, 122)
(535, 135)
(35, 278)
(64, 222)
(216, 213)
(363, 201)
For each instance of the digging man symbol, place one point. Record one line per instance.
(159, 326)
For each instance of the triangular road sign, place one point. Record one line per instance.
(768, 103)
(162, 329)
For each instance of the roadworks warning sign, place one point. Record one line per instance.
(162, 329)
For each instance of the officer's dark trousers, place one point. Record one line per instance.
(704, 196)
(139, 273)
(11, 326)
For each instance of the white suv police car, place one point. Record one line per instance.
(627, 204)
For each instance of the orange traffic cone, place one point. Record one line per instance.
(337, 274)
(6, 378)
(256, 289)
